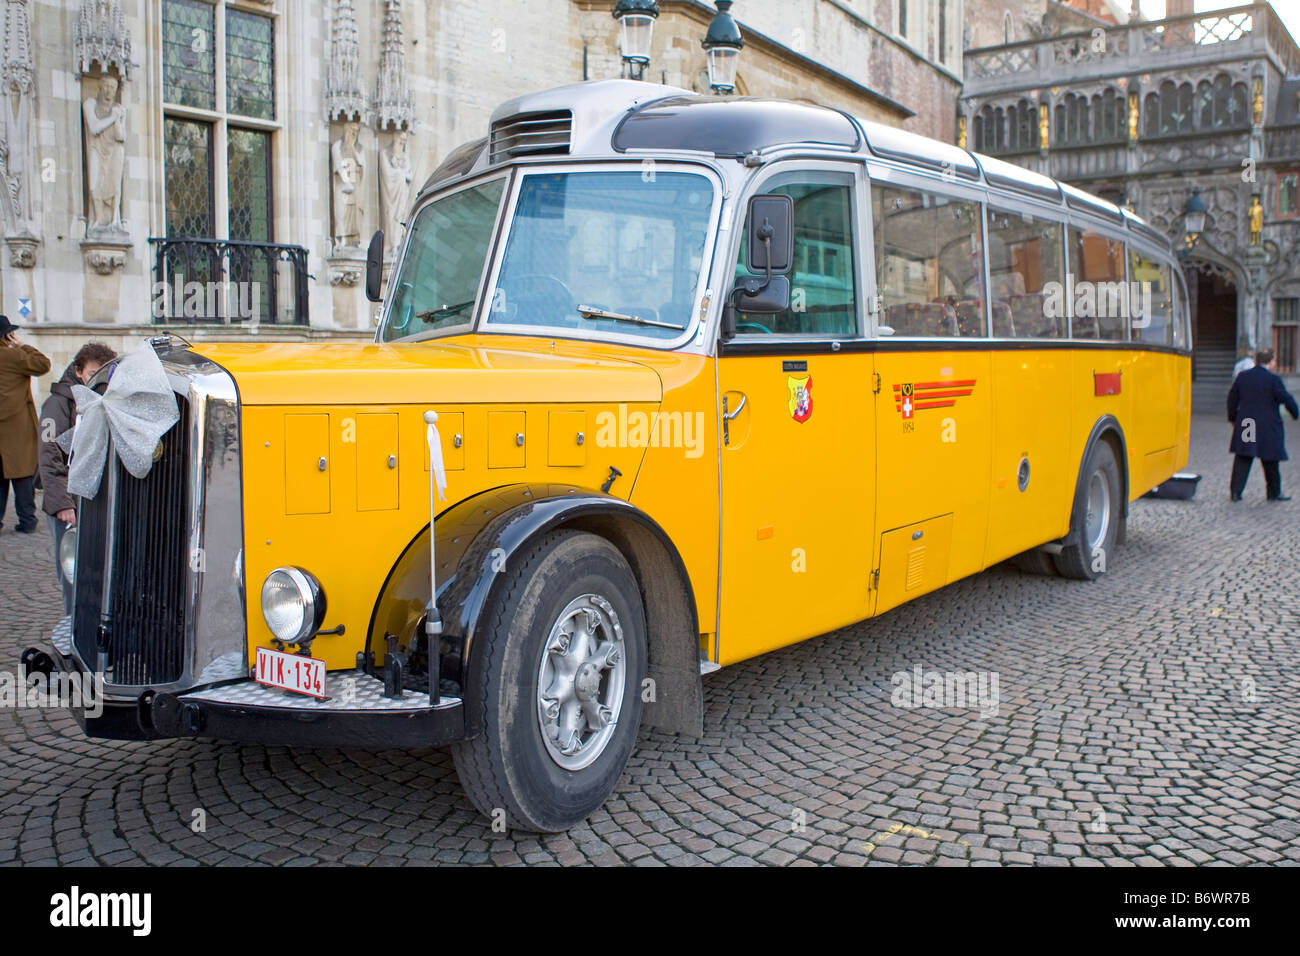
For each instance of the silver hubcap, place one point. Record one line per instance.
(580, 682)
(1097, 520)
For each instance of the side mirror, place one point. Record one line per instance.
(771, 234)
(766, 298)
(375, 268)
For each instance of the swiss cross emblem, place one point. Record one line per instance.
(906, 403)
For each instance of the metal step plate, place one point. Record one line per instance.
(367, 694)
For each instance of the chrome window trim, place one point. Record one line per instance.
(724, 282)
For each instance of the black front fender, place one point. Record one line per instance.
(476, 540)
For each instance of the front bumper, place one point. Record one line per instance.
(247, 712)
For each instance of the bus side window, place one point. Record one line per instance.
(1150, 300)
(1180, 313)
(929, 264)
(1100, 301)
(823, 282)
(1026, 273)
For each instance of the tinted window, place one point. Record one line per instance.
(929, 263)
(1180, 319)
(1026, 275)
(1098, 297)
(823, 282)
(1151, 304)
(605, 251)
(438, 284)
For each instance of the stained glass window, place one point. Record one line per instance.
(188, 52)
(250, 65)
(188, 171)
(248, 160)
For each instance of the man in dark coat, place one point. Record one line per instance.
(1257, 425)
(19, 364)
(58, 414)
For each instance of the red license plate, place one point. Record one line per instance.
(301, 675)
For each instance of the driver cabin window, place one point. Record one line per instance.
(930, 264)
(823, 281)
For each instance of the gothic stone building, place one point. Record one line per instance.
(1149, 113)
(216, 166)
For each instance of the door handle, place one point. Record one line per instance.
(728, 416)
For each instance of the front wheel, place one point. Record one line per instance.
(563, 661)
(1095, 518)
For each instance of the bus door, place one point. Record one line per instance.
(933, 394)
(797, 432)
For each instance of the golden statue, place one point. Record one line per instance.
(1133, 116)
(1044, 127)
(1256, 219)
(1257, 100)
(961, 132)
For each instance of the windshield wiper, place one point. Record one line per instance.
(593, 313)
(431, 314)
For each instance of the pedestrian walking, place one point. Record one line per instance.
(1257, 431)
(58, 414)
(19, 363)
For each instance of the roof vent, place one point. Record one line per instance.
(531, 134)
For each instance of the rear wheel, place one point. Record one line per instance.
(563, 662)
(1095, 518)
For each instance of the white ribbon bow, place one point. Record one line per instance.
(136, 410)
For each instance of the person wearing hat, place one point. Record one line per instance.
(19, 364)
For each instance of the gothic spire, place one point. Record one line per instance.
(344, 97)
(394, 105)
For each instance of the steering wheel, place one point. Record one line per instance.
(535, 296)
(753, 327)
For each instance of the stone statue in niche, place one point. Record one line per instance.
(105, 153)
(349, 174)
(395, 176)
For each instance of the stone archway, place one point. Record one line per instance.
(1215, 288)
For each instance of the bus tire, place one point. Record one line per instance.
(563, 660)
(1095, 517)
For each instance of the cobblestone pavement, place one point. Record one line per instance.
(1147, 719)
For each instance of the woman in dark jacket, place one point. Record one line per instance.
(58, 414)
(1257, 425)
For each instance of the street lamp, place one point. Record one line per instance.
(1193, 218)
(636, 23)
(722, 44)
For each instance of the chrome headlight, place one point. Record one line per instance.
(68, 555)
(293, 604)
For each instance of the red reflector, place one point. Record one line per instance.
(1105, 383)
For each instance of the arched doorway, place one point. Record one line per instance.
(1213, 293)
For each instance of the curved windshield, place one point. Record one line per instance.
(439, 281)
(605, 251)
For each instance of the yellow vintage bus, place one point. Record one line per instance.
(710, 376)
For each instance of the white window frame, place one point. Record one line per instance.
(218, 118)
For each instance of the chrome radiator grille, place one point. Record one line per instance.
(133, 568)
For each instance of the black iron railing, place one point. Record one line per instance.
(230, 281)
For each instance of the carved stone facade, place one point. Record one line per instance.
(144, 140)
(1144, 113)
